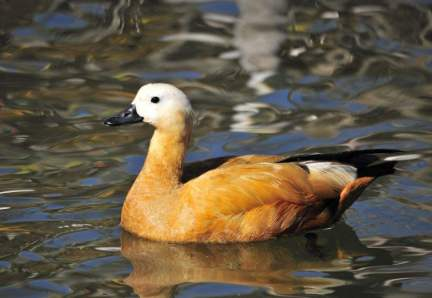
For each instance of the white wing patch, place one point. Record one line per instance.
(341, 174)
(402, 157)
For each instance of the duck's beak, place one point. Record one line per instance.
(128, 116)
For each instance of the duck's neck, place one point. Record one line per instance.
(164, 163)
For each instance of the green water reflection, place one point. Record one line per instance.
(275, 77)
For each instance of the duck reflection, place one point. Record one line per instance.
(283, 266)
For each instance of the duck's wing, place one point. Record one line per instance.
(246, 202)
(253, 201)
(254, 184)
(241, 200)
(195, 169)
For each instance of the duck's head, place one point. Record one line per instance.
(162, 105)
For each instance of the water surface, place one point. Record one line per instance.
(274, 77)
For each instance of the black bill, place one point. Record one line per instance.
(128, 116)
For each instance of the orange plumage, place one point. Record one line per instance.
(245, 198)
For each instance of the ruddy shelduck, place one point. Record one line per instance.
(234, 199)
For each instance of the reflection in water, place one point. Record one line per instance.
(258, 36)
(283, 266)
(266, 77)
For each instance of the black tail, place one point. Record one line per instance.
(369, 162)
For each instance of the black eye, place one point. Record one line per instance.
(155, 99)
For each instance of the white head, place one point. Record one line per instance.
(158, 103)
(161, 105)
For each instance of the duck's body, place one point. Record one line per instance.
(246, 198)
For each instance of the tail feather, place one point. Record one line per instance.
(369, 162)
(351, 172)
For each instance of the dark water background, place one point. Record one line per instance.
(265, 77)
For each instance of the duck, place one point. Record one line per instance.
(234, 198)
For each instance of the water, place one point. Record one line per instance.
(273, 77)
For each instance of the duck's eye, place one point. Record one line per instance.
(155, 99)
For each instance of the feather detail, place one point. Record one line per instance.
(337, 173)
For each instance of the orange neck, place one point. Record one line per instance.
(164, 163)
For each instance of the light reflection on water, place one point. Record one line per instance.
(264, 77)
